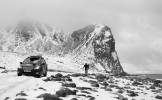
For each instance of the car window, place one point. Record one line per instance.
(27, 60)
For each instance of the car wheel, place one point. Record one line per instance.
(40, 73)
(45, 73)
(19, 73)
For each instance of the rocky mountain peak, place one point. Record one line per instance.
(95, 44)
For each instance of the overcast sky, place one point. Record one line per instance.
(136, 24)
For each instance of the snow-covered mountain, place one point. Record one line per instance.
(93, 44)
(27, 36)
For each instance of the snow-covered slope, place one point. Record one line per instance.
(30, 36)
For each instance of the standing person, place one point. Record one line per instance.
(86, 66)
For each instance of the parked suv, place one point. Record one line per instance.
(33, 64)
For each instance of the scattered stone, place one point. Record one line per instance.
(127, 87)
(158, 97)
(92, 98)
(157, 91)
(136, 83)
(81, 95)
(64, 92)
(120, 97)
(132, 93)
(83, 88)
(92, 81)
(94, 90)
(63, 79)
(21, 94)
(61, 93)
(152, 87)
(48, 96)
(95, 85)
(105, 83)
(69, 84)
(20, 99)
(74, 99)
(111, 81)
(42, 88)
(85, 92)
(112, 86)
(108, 89)
(7, 98)
(69, 79)
(56, 79)
(120, 91)
(5, 71)
(77, 75)
(58, 75)
(100, 77)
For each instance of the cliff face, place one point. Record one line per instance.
(95, 44)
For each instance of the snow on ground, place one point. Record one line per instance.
(88, 87)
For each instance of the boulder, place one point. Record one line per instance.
(158, 97)
(58, 75)
(69, 84)
(120, 97)
(47, 96)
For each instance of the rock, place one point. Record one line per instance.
(21, 94)
(108, 89)
(56, 79)
(132, 93)
(99, 40)
(94, 90)
(68, 79)
(120, 97)
(152, 87)
(127, 87)
(74, 99)
(100, 77)
(92, 98)
(7, 98)
(105, 83)
(5, 71)
(112, 86)
(157, 91)
(20, 99)
(77, 75)
(84, 88)
(63, 79)
(48, 96)
(69, 84)
(61, 93)
(95, 85)
(158, 97)
(92, 81)
(120, 91)
(42, 88)
(58, 75)
(64, 92)
(136, 83)
(85, 92)
(70, 92)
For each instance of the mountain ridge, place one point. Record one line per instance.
(93, 44)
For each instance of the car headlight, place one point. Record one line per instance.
(37, 67)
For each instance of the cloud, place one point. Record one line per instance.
(136, 24)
